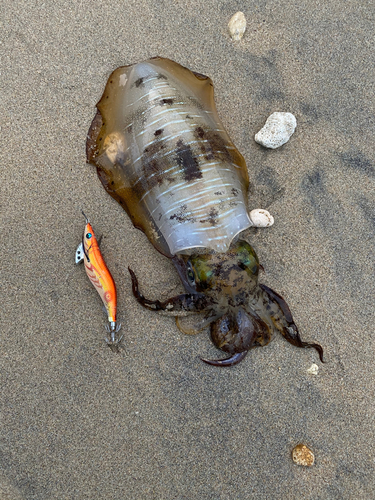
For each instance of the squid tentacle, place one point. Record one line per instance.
(232, 360)
(289, 329)
(198, 326)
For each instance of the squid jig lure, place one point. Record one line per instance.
(98, 273)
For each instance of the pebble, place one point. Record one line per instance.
(261, 218)
(277, 130)
(313, 370)
(302, 455)
(237, 26)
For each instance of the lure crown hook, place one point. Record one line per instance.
(113, 328)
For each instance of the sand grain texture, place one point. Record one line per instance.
(154, 422)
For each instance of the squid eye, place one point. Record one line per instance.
(88, 235)
(190, 274)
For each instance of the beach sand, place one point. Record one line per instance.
(153, 422)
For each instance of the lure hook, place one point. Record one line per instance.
(112, 328)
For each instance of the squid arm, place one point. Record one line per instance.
(179, 305)
(285, 324)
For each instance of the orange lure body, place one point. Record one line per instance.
(100, 277)
(98, 272)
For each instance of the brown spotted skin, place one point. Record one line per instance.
(162, 152)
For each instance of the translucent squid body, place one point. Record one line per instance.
(96, 269)
(162, 152)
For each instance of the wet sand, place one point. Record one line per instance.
(153, 422)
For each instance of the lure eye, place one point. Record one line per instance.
(88, 235)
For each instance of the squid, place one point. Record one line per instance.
(161, 151)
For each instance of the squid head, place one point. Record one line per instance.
(224, 289)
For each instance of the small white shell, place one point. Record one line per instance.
(261, 218)
(313, 370)
(237, 26)
(277, 130)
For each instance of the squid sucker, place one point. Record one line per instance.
(162, 152)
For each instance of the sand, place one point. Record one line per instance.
(153, 422)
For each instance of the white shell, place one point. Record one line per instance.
(313, 370)
(261, 218)
(277, 130)
(237, 26)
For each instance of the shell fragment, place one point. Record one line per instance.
(277, 130)
(261, 218)
(313, 370)
(237, 26)
(302, 455)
